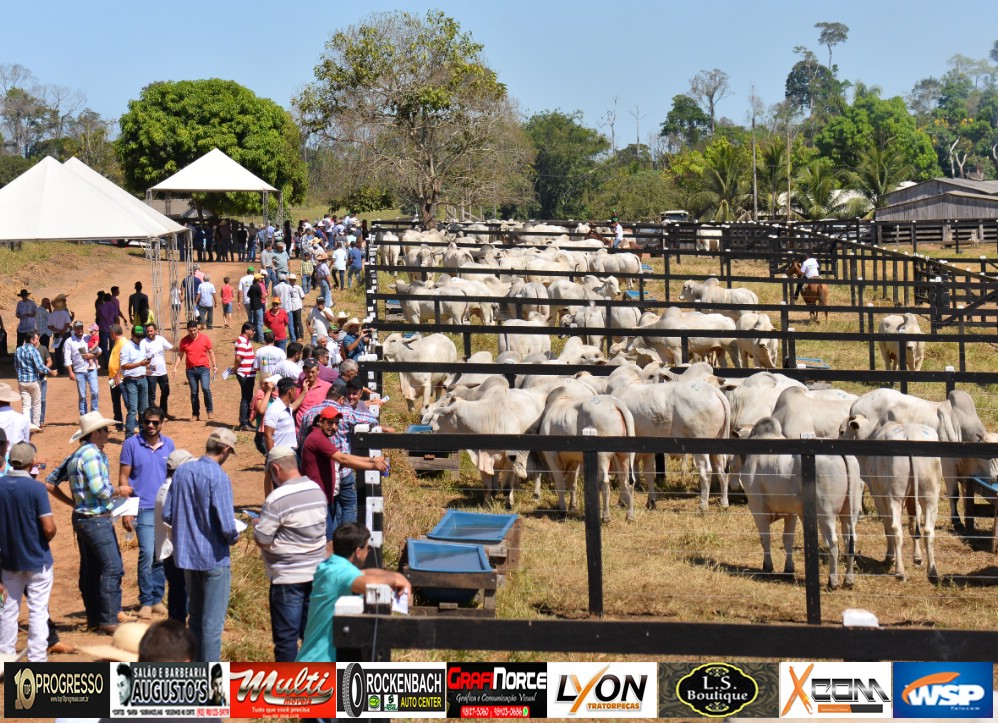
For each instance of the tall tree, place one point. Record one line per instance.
(414, 97)
(708, 88)
(831, 35)
(878, 171)
(172, 124)
(566, 162)
(726, 187)
(686, 124)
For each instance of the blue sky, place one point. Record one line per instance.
(552, 55)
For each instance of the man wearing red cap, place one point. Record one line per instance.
(276, 319)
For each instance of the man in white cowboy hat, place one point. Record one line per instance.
(199, 509)
(25, 311)
(296, 302)
(100, 558)
(26, 527)
(12, 422)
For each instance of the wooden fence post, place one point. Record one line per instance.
(812, 572)
(594, 533)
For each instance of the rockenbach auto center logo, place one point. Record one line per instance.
(943, 690)
(497, 690)
(391, 690)
(835, 690)
(602, 690)
(282, 690)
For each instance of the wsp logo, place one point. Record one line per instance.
(951, 690)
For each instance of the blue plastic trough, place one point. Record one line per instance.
(447, 557)
(475, 527)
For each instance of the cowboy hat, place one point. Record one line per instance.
(7, 393)
(353, 322)
(90, 423)
(124, 647)
(24, 292)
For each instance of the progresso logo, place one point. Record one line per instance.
(943, 690)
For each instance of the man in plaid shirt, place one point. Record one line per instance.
(30, 369)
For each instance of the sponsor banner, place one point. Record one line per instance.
(49, 690)
(282, 690)
(497, 690)
(391, 690)
(602, 690)
(943, 690)
(718, 690)
(170, 690)
(835, 690)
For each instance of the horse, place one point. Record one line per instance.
(815, 291)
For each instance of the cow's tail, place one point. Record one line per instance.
(916, 534)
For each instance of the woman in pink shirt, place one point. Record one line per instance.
(226, 296)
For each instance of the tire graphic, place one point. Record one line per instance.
(353, 692)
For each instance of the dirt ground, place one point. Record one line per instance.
(123, 268)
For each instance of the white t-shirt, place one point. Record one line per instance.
(267, 359)
(297, 298)
(280, 418)
(320, 322)
(244, 286)
(157, 348)
(340, 259)
(810, 268)
(283, 292)
(289, 369)
(58, 318)
(206, 294)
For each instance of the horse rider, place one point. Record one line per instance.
(809, 270)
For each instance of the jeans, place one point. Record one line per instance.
(135, 391)
(176, 595)
(163, 382)
(116, 406)
(208, 602)
(246, 389)
(105, 347)
(346, 501)
(152, 578)
(288, 617)
(84, 380)
(325, 292)
(207, 314)
(297, 330)
(249, 313)
(281, 344)
(202, 375)
(339, 273)
(43, 386)
(258, 323)
(36, 587)
(306, 282)
(31, 401)
(100, 569)
(353, 272)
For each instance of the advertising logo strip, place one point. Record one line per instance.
(497, 690)
(943, 690)
(49, 690)
(282, 690)
(391, 690)
(169, 690)
(718, 690)
(835, 690)
(602, 690)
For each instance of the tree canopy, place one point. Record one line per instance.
(413, 97)
(172, 124)
(686, 125)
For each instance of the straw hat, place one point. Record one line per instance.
(178, 457)
(59, 301)
(353, 322)
(342, 315)
(90, 423)
(124, 647)
(7, 393)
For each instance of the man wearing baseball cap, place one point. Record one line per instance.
(199, 510)
(276, 319)
(81, 363)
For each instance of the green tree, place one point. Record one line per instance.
(172, 124)
(831, 35)
(633, 196)
(566, 162)
(812, 86)
(686, 125)
(879, 170)
(13, 166)
(414, 97)
(817, 191)
(726, 190)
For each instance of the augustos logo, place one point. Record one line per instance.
(943, 690)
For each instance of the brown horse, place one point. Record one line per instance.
(815, 292)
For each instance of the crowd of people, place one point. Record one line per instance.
(299, 396)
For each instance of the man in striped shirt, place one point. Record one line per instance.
(30, 369)
(291, 533)
(243, 366)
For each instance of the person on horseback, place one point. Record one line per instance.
(809, 270)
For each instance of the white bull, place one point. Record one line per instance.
(433, 348)
(711, 292)
(525, 344)
(764, 351)
(914, 351)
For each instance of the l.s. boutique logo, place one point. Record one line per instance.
(717, 690)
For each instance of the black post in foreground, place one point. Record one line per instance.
(812, 580)
(594, 535)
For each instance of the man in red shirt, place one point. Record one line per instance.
(321, 459)
(196, 350)
(276, 319)
(225, 295)
(242, 367)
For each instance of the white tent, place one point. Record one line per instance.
(49, 202)
(214, 172)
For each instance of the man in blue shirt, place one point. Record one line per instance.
(199, 509)
(26, 527)
(134, 363)
(336, 576)
(141, 473)
(356, 256)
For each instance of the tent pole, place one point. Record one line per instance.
(157, 277)
(171, 255)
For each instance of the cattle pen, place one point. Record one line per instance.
(959, 303)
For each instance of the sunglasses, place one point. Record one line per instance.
(153, 422)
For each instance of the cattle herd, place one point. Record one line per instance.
(651, 392)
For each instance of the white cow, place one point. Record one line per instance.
(914, 351)
(678, 409)
(711, 292)
(897, 480)
(819, 412)
(484, 310)
(774, 488)
(568, 411)
(433, 348)
(416, 310)
(525, 344)
(391, 250)
(764, 351)
(755, 398)
(709, 348)
(622, 318)
(577, 351)
(520, 289)
(619, 263)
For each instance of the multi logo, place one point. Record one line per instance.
(712, 689)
